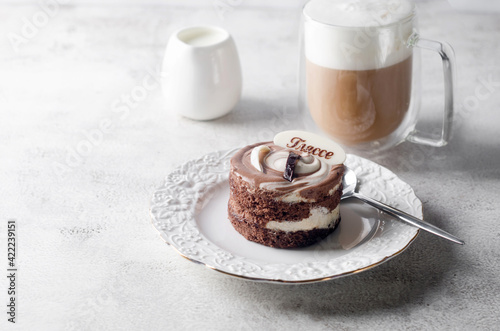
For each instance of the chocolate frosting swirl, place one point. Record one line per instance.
(312, 174)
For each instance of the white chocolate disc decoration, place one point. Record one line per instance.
(310, 143)
(257, 156)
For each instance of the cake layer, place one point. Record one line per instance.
(320, 218)
(277, 238)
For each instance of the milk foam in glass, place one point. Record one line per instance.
(358, 64)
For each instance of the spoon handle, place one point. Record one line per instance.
(412, 220)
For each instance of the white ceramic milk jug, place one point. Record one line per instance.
(201, 74)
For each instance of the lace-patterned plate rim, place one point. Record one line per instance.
(190, 187)
(295, 282)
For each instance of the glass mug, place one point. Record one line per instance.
(359, 74)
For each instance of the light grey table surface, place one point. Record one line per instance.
(88, 256)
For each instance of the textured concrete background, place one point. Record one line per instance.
(82, 153)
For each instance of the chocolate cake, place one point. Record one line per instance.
(269, 206)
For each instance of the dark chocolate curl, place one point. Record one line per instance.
(290, 166)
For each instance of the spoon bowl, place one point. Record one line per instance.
(349, 183)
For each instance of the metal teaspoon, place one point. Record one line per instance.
(350, 181)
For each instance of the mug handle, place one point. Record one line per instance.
(448, 57)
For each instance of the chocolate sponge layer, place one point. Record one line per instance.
(251, 208)
(278, 239)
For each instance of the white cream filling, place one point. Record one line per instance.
(334, 189)
(320, 218)
(293, 198)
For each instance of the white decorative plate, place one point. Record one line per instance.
(190, 212)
